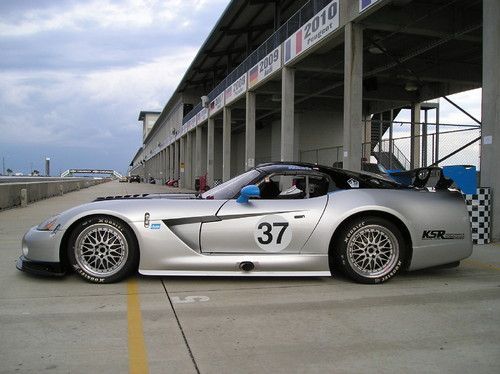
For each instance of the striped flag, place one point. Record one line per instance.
(294, 46)
(254, 74)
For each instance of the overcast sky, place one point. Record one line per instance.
(74, 76)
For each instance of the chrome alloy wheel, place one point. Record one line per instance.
(101, 250)
(372, 251)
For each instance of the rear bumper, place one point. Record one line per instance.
(40, 267)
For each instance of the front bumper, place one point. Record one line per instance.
(40, 267)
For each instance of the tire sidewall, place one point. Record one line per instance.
(132, 257)
(349, 230)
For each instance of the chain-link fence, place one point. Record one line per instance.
(446, 145)
(433, 144)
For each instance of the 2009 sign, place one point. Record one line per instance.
(273, 233)
(268, 61)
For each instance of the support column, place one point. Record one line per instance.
(176, 160)
(182, 162)
(171, 161)
(367, 132)
(353, 97)
(189, 161)
(424, 139)
(167, 164)
(391, 141)
(490, 110)
(226, 144)
(210, 151)
(199, 132)
(415, 136)
(250, 131)
(287, 113)
(436, 153)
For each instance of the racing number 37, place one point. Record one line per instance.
(269, 231)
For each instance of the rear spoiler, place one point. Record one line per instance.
(461, 177)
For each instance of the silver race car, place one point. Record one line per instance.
(278, 219)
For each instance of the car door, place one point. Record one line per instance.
(274, 225)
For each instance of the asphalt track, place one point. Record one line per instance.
(433, 321)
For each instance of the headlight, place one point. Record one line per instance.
(49, 224)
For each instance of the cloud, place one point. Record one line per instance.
(120, 92)
(130, 14)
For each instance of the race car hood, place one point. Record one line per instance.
(133, 209)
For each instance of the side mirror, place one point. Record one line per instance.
(247, 192)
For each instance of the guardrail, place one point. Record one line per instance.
(21, 194)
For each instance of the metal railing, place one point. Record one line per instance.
(295, 22)
(323, 156)
(396, 153)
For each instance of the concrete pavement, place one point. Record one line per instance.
(428, 321)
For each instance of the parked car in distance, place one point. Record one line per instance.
(134, 178)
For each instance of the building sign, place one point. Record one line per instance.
(365, 4)
(202, 116)
(216, 104)
(237, 89)
(316, 29)
(265, 68)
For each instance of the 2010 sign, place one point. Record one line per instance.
(317, 28)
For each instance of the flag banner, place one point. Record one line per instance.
(216, 104)
(202, 116)
(365, 4)
(265, 68)
(317, 28)
(235, 90)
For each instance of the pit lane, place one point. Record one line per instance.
(427, 321)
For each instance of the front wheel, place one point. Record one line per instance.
(102, 250)
(370, 250)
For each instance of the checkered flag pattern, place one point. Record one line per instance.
(479, 208)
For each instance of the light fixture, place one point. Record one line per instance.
(374, 50)
(276, 98)
(411, 86)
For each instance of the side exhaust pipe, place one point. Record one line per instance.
(247, 266)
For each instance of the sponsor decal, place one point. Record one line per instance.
(237, 89)
(441, 235)
(316, 29)
(353, 183)
(365, 4)
(155, 226)
(273, 233)
(265, 68)
(216, 104)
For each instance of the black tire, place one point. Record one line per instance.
(103, 249)
(369, 250)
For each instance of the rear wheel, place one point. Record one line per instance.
(102, 250)
(370, 250)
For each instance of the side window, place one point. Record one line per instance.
(288, 187)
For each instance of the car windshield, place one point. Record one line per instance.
(232, 187)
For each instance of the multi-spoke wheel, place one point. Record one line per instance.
(370, 250)
(102, 250)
